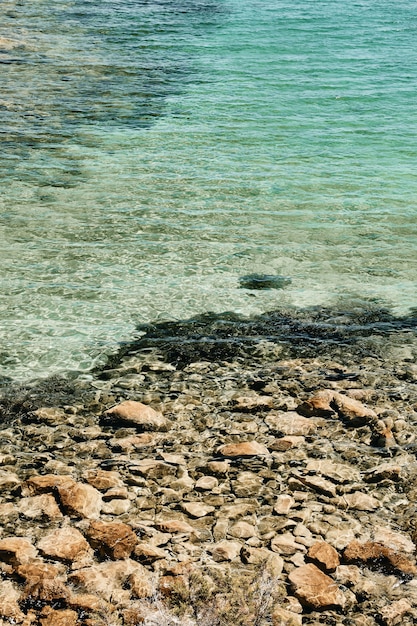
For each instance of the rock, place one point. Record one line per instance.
(338, 472)
(111, 539)
(286, 443)
(319, 484)
(393, 614)
(37, 506)
(225, 551)
(53, 617)
(393, 539)
(174, 526)
(116, 507)
(9, 603)
(139, 415)
(378, 556)
(17, 551)
(247, 484)
(8, 480)
(197, 509)
(318, 405)
(152, 468)
(246, 448)
(290, 423)
(282, 617)
(146, 553)
(385, 471)
(133, 442)
(242, 530)
(140, 584)
(253, 403)
(103, 480)
(353, 411)
(108, 579)
(80, 500)
(359, 501)
(206, 483)
(65, 544)
(315, 589)
(283, 504)
(324, 556)
(36, 485)
(286, 544)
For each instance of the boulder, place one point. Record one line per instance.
(316, 590)
(65, 544)
(324, 556)
(80, 500)
(112, 539)
(17, 551)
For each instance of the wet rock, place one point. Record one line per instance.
(206, 483)
(290, 423)
(315, 589)
(247, 448)
(8, 480)
(36, 485)
(253, 403)
(102, 480)
(197, 509)
(247, 484)
(137, 414)
(284, 504)
(359, 501)
(37, 506)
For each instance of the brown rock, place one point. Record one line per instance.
(286, 544)
(206, 483)
(314, 589)
(46, 590)
(112, 539)
(324, 556)
(283, 504)
(174, 526)
(8, 480)
(282, 617)
(318, 405)
(139, 415)
(140, 584)
(37, 506)
(242, 530)
(253, 403)
(103, 480)
(87, 602)
(359, 501)
(36, 485)
(290, 423)
(9, 603)
(393, 614)
(134, 442)
(247, 484)
(52, 617)
(17, 551)
(225, 551)
(197, 509)
(356, 413)
(80, 500)
(286, 443)
(149, 554)
(65, 544)
(378, 556)
(247, 448)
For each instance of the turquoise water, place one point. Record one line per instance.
(153, 152)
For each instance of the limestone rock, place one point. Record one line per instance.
(37, 506)
(140, 583)
(339, 472)
(116, 507)
(282, 444)
(206, 483)
(283, 504)
(242, 530)
(324, 556)
(65, 544)
(359, 501)
(112, 539)
(393, 614)
(103, 480)
(315, 589)
(377, 555)
(197, 509)
(53, 617)
(225, 551)
(290, 423)
(17, 551)
(9, 607)
(36, 485)
(282, 617)
(247, 484)
(80, 500)
(139, 415)
(286, 544)
(246, 448)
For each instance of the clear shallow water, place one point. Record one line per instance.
(154, 152)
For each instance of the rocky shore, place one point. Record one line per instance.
(223, 472)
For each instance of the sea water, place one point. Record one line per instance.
(153, 152)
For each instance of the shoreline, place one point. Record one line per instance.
(217, 455)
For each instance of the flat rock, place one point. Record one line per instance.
(284, 504)
(246, 448)
(112, 539)
(8, 480)
(253, 403)
(338, 472)
(65, 544)
(290, 423)
(174, 526)
(318, 405)
(36, 507)
(315, 589)
(324, 556)
(206, 483)
(103, 480)
(80, 500)
(359, 501)
(36, 485)
(286, 544)
(139, 415)
(197, 509)
(225, 551)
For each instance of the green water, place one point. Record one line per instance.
(155, 152)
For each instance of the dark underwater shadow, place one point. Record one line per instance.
(358, 331)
